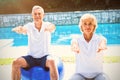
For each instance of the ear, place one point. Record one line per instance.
(43, 15)
(81, 29)
(94, 28)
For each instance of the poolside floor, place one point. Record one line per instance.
(111, 69)
(9, 51)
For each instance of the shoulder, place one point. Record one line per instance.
(103, 39)
(46, 23)
(100, 38)
(80, 38)
(76, 38)
(30, 23)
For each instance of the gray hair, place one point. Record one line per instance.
(86, 16)
(38, 7)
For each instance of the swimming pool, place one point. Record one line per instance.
(64, 33)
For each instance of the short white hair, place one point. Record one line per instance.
(86, 16)
(38, 7)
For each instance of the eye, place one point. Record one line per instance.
(35, 13)
(39, 13)
(90, 24)
(85, 24)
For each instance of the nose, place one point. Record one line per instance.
(87, 26)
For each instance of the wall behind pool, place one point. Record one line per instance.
(61, 18)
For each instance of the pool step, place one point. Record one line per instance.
(6, 43)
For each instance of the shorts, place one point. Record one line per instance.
(32, 62)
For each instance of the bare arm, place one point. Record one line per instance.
(51, 28)
(102, 45)
(20, 30)
(75, 46)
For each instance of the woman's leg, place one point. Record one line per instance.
(102, 76)
(77, 76)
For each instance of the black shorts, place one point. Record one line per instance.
(32, 62)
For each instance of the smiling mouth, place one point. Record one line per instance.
(37, 19)
(87, 29)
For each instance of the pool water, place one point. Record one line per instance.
(64, 33)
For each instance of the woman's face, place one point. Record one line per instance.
(88, 26)
(37, 15)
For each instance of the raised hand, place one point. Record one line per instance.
(50, 28)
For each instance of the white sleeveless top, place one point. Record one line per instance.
(38, 41)
(88, 61)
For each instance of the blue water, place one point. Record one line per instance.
(63, 34)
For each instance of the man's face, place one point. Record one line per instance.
(37, 15)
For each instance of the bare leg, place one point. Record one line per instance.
(16, 65)
(51, 64)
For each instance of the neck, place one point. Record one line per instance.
(38, 25)
(88, 37)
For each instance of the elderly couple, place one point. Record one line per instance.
(88, 48)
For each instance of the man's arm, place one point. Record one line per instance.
(20, 30)
(51, 28)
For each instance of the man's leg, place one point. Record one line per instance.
(16, 66)
(51, 64)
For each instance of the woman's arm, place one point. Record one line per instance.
(102, 45)
(75, 46)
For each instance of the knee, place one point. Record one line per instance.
(50, 62)
(102, 76)
(15, 63)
